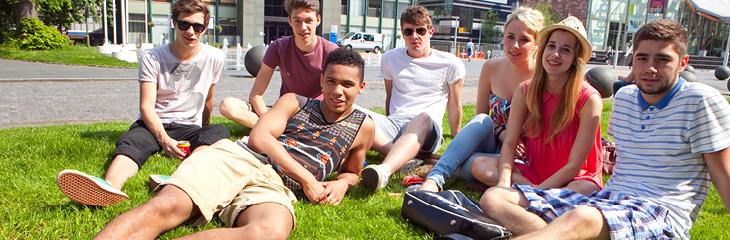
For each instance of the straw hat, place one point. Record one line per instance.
(573, 25)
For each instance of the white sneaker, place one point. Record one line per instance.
(375, 177)
(87, 189)
(410, 166)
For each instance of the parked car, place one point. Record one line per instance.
(362, 41)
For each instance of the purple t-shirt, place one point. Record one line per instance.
(299, 71)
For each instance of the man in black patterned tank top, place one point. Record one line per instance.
(304, 139)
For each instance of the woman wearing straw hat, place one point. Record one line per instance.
(498, 80)
(558, 114)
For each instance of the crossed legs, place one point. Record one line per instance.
(507, 207)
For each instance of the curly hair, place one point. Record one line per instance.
(346, 57)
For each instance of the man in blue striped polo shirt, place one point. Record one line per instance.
(671, 136)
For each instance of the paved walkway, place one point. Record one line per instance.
(39, 94)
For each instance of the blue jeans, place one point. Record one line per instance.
(619, 84)
(475, 139)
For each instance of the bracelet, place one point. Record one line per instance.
(499, 132)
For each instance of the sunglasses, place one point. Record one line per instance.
(184, 26)
(420, 30)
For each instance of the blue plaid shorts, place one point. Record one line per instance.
(628, 217)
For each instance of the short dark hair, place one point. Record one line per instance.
(346, 57)
(665, 31)
(291, 5)
(416, 15)
(190, 7)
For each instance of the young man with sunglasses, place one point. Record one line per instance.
(300, 59)
(420, 83)
(176, 101)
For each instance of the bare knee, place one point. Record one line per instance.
(583, 217)
(584, 187)
(170, 203)
(493, 199)
(267, 230)
(266, 221)
(230, 105)
(484, 169)
(420, 123)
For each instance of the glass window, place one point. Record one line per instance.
(373, 8)
(357, 36)
(388, 9)
(369, 37)
(356, 9)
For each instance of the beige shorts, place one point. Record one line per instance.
(225, 178)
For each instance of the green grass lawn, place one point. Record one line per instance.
(32, 206)
(76, 55)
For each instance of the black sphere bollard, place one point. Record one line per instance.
(689, 76)
(722, 73)
(254, 59)
(601, 79)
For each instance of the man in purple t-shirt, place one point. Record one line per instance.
(300, 59)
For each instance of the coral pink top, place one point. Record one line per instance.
(543, 160)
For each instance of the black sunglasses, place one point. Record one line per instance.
(184, 26)
(420, 30)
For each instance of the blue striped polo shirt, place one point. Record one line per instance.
(659, 147)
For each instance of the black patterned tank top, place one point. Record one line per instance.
(314, 143)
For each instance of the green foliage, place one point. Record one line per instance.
(77, 55)
(56, 12)
(65, 12)
(488, 26)
(38, 36)
(10, 39)
(551, 14)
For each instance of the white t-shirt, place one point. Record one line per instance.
(420, 84)
(181, 87)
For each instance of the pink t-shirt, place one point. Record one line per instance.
(299, 71)
(545, 159)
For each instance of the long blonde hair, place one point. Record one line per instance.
(565, 112)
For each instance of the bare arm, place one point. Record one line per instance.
(208, 108)
(484, 89)
(590, 120)
(256, 97)
(454, 106)
(388, 91)
(518, 113)
(349, 171)
(147, 96)
(629, 78)
(263, 139)
(718, 163)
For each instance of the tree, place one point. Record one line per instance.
(551, 14)
(55, 12)
(489, 30)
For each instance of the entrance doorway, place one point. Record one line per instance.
(275, 30)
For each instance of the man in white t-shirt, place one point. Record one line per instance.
(176, 101)
(420, 84)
